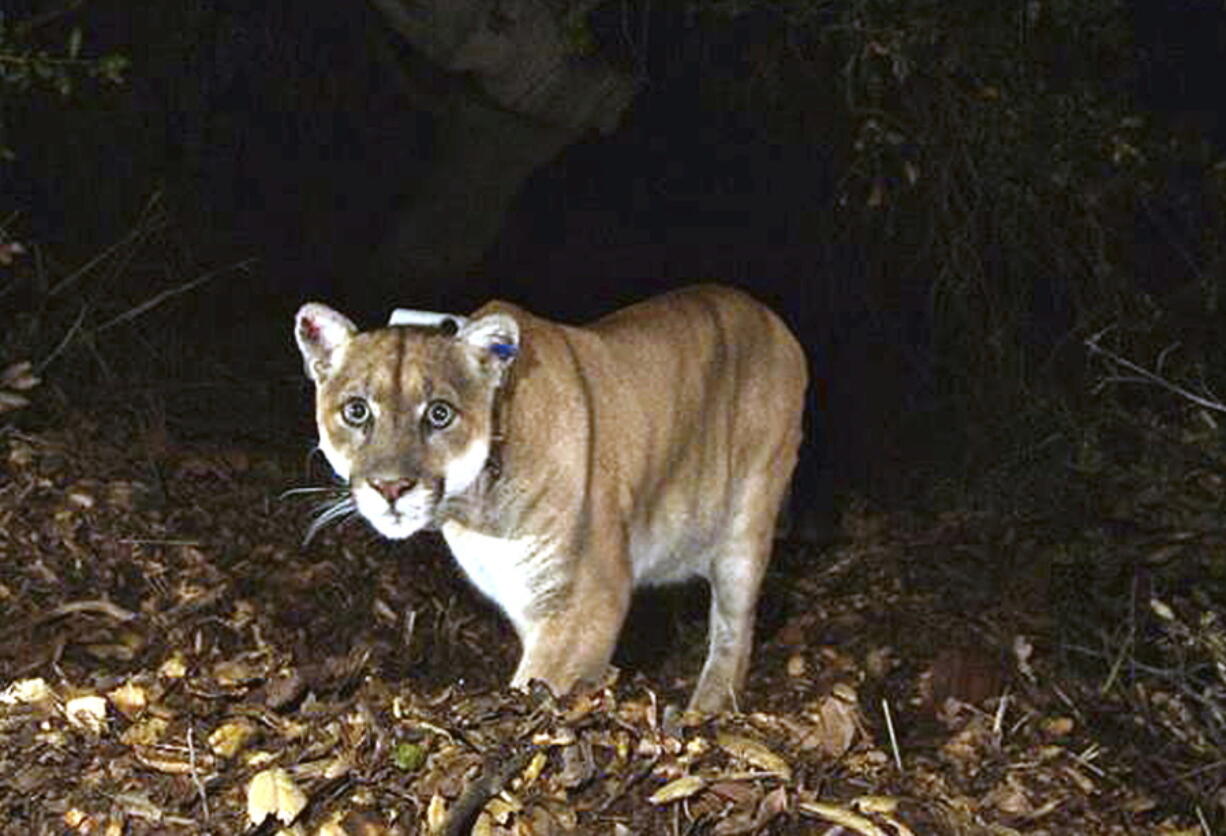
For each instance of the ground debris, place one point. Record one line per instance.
(170, 657)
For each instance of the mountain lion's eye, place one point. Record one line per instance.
(355, 412)
(439, 414)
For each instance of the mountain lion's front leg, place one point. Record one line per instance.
(568, 648)
(574, 641)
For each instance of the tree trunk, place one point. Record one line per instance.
(530, 94)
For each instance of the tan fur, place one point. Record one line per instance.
(651, 446)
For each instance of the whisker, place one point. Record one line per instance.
(327, 513)
(337, 489)
(316, 452)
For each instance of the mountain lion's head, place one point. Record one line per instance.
(405, 414)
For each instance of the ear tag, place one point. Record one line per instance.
(504, 351)
(427, 319)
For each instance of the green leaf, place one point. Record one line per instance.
(111, 67)
(409, 757)
(74, 42)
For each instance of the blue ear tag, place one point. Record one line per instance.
(504, 351)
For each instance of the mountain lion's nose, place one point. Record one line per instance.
(393, 489)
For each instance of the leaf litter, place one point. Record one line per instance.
(172, 659)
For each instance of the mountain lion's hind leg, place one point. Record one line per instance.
(735, 578)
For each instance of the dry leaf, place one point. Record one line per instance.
(19, 376)
(1009, 796)
(333, 826)
(1057, 726)
(88, 713)
(578, 767)
(229, 738)
(26, 691)
(965, 746)
(533, 770)
(738, 792)
(273, 792)
(879, 661)
(683, 787)
(436, 814)
(502, 807)
(755, 754)
(483, 826)
(175, 667)
(138, 804)
(884, 807)
(1083, 781)
(78, 820)
(130, 699)
(840, 816)
(11, 400)
(145, 732)
(244, 669)
(735, 824)
(836, 721)
(746, 822)
(883, 804)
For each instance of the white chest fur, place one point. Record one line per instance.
(516, 573)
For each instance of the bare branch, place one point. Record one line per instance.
(154, 301)
(1144, 375)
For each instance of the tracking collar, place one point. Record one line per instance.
(451, 324)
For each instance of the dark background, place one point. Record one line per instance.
(279, 136)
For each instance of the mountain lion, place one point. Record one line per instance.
(565, 465)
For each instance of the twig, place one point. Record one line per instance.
(998, 722)
(1192, 773)
(134, 235)
(637, 776)
(101, 606)
(63, 343)
(410, 622)
(153, 302)
(1144, 375)
(889, 725)
(152, 541)
(1086, 757)
(191, 763)
(1167, 674)
(1125, 651)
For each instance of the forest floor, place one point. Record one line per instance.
(173, 659)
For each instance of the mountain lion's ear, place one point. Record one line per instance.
(497, 335)
(320, 331)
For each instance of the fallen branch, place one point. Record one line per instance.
(100, 606)
(1144, 375)
(498, 771)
